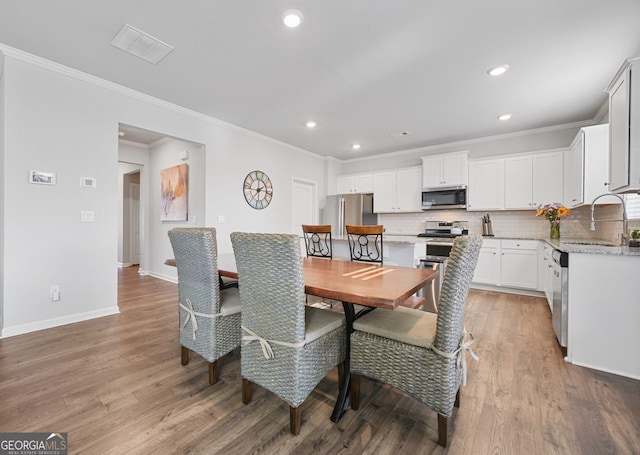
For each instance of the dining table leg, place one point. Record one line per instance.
(342, 403)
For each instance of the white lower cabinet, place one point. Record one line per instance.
(488, 267)
(508, 263)
(519, 264)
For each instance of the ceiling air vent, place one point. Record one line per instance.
(141, 44)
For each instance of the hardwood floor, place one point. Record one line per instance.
(115, 384)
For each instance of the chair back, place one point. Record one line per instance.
(271, 284)
(365, 243)
(455, 289)
(196, 254)
(317, 239)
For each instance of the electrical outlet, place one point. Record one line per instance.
(54, 292)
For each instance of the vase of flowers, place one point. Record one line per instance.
(635, 238)
(553, 212)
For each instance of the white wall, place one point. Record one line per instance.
(62, 121)
(161, 157)
(2, 167)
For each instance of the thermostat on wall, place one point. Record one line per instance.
(87, 182)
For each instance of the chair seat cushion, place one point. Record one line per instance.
(319, 322)
(405, 325)
(229, 301)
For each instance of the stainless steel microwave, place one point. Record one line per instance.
(445, 198)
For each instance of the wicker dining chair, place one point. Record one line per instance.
(366, 245)
(209, 316)
(288, 347)
(422, 354)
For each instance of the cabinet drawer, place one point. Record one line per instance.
(490, 243)
(520, 244)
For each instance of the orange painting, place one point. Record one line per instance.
(175, 203)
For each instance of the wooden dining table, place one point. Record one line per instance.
(352, 283)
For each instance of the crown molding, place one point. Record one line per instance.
(462, 145)
(76, 74)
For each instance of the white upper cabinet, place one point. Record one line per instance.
(624, 128)
(356, 183)
(486, 184)
(398, 191)
(586, 171)
(449, 169)
(547, 176)
(532, 180)
(518, 182)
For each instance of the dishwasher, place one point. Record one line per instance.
(560, 289)
(431, 292)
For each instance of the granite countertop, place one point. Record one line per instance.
(584, 246)
(399, 239)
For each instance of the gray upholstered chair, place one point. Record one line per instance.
(287, 346)
(422, 354)
(209, 317)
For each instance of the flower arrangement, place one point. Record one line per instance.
(553, 212)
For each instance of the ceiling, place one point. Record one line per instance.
(361, 69)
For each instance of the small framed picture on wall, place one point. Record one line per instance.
(42, 178)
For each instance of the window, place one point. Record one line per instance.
(633, 205)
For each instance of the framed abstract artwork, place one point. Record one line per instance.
(174, 193)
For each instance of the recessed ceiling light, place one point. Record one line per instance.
(355, 146)
(292, 18)
(497, 70)
(311, 124)
(504, 117)
(120, 133)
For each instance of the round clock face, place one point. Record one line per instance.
(257, 189)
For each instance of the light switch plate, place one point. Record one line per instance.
(87, 216)
(87, 182)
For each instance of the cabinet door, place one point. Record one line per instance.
(409, 190)
(432, 172)
(363, 183)
(454, 169)
(574, 173)
(518, 182)
(619, 134)
(519, 268)
(486, 185)
(384, 185)
(344, 185)
(547, 178)
(488, 267)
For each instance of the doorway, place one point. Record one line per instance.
(304, 204)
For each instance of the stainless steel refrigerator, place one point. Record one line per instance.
(348, 209)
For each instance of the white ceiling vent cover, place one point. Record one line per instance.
(141, 44)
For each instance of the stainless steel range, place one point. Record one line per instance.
(439, 241)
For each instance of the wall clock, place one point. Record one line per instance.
(258, 189)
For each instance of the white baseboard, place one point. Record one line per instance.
(124, 264)
(488, 287)
(55, 322)
(163, 277)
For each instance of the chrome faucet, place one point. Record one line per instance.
(624, 238)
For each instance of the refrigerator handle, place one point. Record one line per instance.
(341, 218)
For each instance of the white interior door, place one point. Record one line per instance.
(134, 223)
(304, 204)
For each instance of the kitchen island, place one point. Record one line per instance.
(403, 250)
(604, 307)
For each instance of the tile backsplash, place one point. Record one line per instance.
(516, 223)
